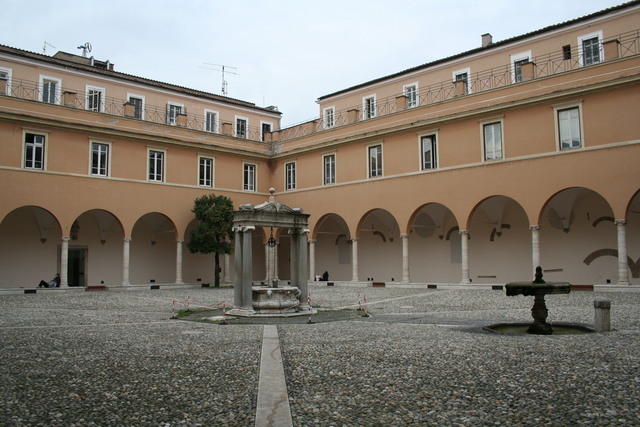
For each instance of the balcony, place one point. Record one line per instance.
(561, 61)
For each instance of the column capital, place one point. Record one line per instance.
(620, 221)
(312, 240)
(354, 239)
(534, 227)
(462, 231)
(404, 236)
(179, 241)
(66, 238)
(127, 239)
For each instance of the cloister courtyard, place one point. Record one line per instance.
(118, 358)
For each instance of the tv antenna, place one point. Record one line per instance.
(223, 69)
(44, 47)
(86, 48)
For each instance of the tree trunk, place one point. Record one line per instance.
(216, 271)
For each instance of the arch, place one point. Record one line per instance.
(30, 240)
(572, 194)
(497, 202)
(100, 216)
(380, 213)
(633, 206)
(332, 247)
(379, 246)
(158, 215)
(153, 249)
(438, 213)
(329, 217)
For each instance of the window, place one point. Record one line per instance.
(329, 117)
(411, 92)
(95, 99)
(241, 127)
(569, 134)
(492, 135)
(566, 52)
(50, 88)
(173, 110)
(375, 160)
(517, 61)
(428, 155)
(210, 121)
(138, 105)
(5, 81)
(265, 128)
(99, 159)
(369, 107)
(329, 169)
(205, 171)
(249, 177)
(34, 151)
(290, 175)
(462, 76)
(156, 166)
(590, 48)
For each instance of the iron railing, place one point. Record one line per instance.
(625, 45)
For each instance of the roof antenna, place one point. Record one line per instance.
(86, 48)
(223, 69)
(44, 47)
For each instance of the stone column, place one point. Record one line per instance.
(237, 279)
(227, 268)
(312, 260)
(405, 257)
(247, 267)
(623, 269)
(125, 261)
(354, 260)
(179, 262)
(464, 245)
(293, 256)
(303, 267)
(267, 263)
(535, 247)
(64, 262)
(275, 261)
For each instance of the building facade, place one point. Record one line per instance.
(474, 168)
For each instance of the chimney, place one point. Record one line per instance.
(487, 39)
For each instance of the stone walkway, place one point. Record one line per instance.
(115, 358)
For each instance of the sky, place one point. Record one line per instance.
(286, 53)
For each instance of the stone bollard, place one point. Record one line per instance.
(602, 318)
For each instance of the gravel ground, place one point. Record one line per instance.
(115, 358)
(382, 373)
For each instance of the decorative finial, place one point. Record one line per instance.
(538, 277)
(272, 197)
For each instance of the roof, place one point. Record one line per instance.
(486, 48)
(136, 79)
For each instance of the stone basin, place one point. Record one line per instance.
(532, 289)
(278, 300)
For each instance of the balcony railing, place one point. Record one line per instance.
(26, 89)
(621, 46)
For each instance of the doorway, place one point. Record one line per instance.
(76, 270)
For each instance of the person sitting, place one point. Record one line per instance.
(53, 283)
(325, 276)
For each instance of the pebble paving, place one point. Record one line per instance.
(116, 358)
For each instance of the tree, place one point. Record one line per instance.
(213, 234)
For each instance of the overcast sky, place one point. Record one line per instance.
(287, 52)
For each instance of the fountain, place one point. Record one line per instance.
(538, 288)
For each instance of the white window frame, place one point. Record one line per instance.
(246, 129)
(58, 93)
(173, 121)
(263, 122)
(213, 168)
(566, 106)
(45, 149)
(288, 186)
(108, 144)
(164, 164)
(421, 153)
(599, 35)
(373, 113)
(9, 73)
(135, 95)
(335, 163)
(467, 70)
(502, 144)
(379, 143)
(417, 97)
(255, 177)
(325, 122)
(216, 122)
(515, 58)
(103, 93)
